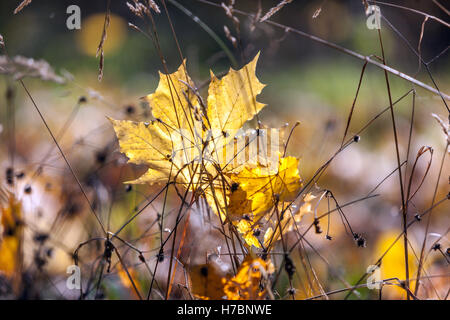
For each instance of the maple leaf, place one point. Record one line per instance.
(207, 281)
(169, 144)
(185, 142)
(254, 191)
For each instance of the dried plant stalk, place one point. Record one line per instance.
(275, 9)
(22, 5)
(20, 67)
(100, 50)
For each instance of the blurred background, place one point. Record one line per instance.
(306, 82)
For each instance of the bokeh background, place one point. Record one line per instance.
(306, 82)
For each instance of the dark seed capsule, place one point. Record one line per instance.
(330, 124)
(9, 232)
(72, 208)
(264, 256)
(317, 226)
(20, 175)
(360, 241)
(41, 237)
(39, 262)
(160, 255)
(437, 246)
(9, 176)
(101, 157)
(82, 99)
(289, 266)
(130, 109)
(27, 189)
(204, 271)
(9, 93)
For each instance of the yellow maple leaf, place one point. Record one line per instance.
(172, 144)
(186, 140)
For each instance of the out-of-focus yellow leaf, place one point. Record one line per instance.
(90, 34)
(11, 237)
(238, 203)
(393, 263)
(207, 281)
(125, 280)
